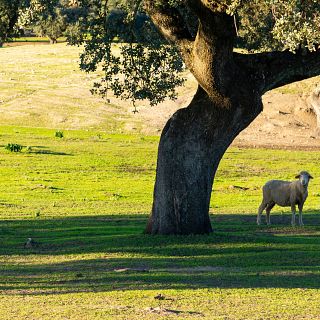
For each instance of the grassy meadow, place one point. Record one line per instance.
(85, 199)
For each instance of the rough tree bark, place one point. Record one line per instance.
(227, 101)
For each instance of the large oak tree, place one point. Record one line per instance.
(228, 99)
(284, 36)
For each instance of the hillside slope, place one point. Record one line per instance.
(41, 86)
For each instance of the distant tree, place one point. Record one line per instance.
(283, 37)
(74, 15)
(52, 18)
(52, 25)
(47, 18)
(9, 13)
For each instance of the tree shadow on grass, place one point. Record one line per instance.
(103, 253)
(43, 150)
(49, 152)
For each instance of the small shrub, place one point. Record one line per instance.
(59, 134)
(117, 196)
(14, 147)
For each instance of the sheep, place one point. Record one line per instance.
(285, 194)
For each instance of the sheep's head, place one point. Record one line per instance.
(304, 177)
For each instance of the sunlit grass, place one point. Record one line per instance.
(34, 39)
(84, 199)
(91, 172)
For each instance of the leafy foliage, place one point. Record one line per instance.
(52, 18)
(59, 134)
(13, 147)
(74, 15)
(51, 26)
(47, 18)
(255, 22)
(147, 67)
(297, 23)
(8, 18)
(142, 70)
(279, 25)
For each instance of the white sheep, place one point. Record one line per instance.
(285, 194)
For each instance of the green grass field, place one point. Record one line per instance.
(85, 199)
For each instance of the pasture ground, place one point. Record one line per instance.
(84, 200)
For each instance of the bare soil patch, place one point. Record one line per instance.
(287, 122)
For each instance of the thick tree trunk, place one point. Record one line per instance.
(191, 147)
(227, 101)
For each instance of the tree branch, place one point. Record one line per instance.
(173, 27)
(209, 55)
(169, 21)
(213, 6)
(276, 69)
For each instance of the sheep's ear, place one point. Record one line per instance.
(310, 176)
(297, 176)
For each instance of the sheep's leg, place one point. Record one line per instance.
(300, 206)
(268, 209)
(293, 210)
(263, 205)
